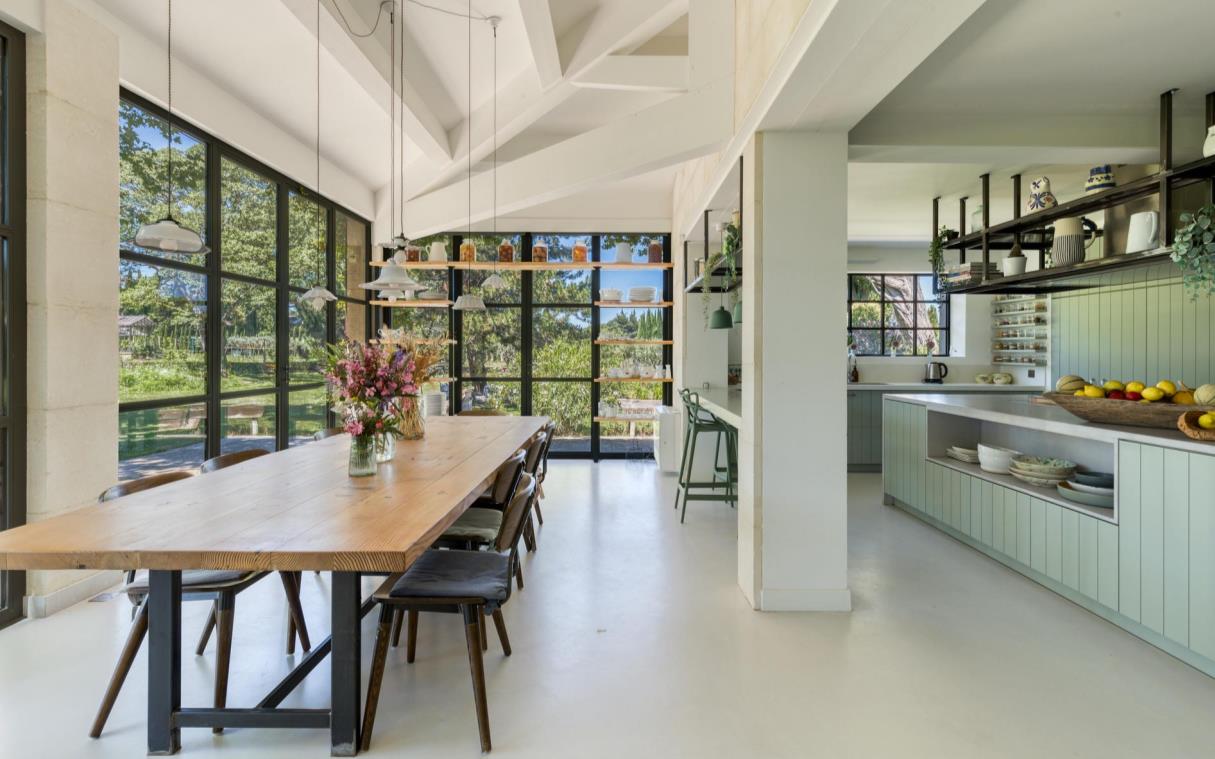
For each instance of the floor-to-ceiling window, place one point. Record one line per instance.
(12, 304)
(217, 353)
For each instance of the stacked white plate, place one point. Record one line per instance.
(432, 404)
(642, 294)
(1041, 471)
(968, 455)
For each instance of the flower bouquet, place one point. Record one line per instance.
(370, 385)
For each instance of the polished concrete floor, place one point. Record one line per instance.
(632, 639)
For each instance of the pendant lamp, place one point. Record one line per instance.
(720, 319)
(394, 279)
(495, 281)
(736, 316)
(168, 234)
(318, 295)
(469, 301)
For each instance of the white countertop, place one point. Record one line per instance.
(967, 386)
(725, 404)
(1020, 412)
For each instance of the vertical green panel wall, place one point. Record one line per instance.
(1135, 326)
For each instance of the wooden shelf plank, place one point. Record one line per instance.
(608, 341)
(625, 419)
(633, 379)
(530, 265)
(612, 266)
(1063, 278)
(420, 264)
(421, 341)
(632, 304)
(412, 303)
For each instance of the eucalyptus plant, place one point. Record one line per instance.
(936, 249)
(731, 245)
(1194, 251)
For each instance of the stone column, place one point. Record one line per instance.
(793, 510)
(72, 280)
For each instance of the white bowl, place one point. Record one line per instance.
(609, 293)
(642, 294)
(1013, 266)
(993, 458)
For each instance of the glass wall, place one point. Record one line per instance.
(217, 354)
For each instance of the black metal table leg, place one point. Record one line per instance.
(345, 665)
(164, 661)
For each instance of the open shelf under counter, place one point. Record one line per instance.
(1050, 495)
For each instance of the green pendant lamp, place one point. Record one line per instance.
(737, 313)
(720, 319)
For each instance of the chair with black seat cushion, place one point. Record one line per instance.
(469, 583)
(219, 586)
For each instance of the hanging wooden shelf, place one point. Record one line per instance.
(632, 304)
(633, 379)
(625, 419)
(530, 265)
(412, 303)
(609, 341)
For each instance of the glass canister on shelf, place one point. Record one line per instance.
(580, 252)
(413, 254)
(468, 251)
(655, 251)
(506, 251)
(540, 251)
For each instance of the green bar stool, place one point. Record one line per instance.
(700, 421)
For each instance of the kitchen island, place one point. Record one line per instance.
(1146, 565)
(724, 403)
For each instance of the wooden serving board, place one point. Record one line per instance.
(1159, 415)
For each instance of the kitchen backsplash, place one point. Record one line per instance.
(1136, 325)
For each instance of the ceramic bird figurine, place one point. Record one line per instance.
(1040, 196)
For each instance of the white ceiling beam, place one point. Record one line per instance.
(538, 26)
(616, 26)
(636, 73)
(666, 134)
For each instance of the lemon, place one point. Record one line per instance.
(1092, 391)
(1207, 421)
(1135, 387)
(1113, 385)
(1152, 394)
(1184, 397)
(1167, 387)
(1079, 393)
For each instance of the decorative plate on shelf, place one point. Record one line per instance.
(1036, 480)
(1088, 499)
(1041, 465)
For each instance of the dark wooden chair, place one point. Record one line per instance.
(470, 583)
(482, 412)
(218, 586)
(225, 460)
(327, 432)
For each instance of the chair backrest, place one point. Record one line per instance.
(230, 459)
(143, 483)
(327, 432)
(515, 515)
(482, 412)
(507, 479)
(692, 408)
(550, 431)
(535, 452)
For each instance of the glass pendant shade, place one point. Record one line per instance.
(392, 295)
(317, 297)
(494, 282)
(720, 319)
(469, 303)
(171, 237)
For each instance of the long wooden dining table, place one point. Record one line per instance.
(295, 510)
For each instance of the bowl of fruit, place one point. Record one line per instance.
(1132, 403)
(1199, 425)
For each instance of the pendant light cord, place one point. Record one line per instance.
(392, 121)
(469, 125)
(169, 54)
(401, 131)
(320, 226)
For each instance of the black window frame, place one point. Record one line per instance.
(942, 300)
(209, 266)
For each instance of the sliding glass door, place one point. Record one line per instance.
(12, 304)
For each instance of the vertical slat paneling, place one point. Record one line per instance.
(1070, 549)
(997, 518)
(1054, 542)
(1088, 556)
(976, 508)
(1177, 354)
(1023, 529)
(1116, 368)
(1010, 523)
(985, 492)
(1152, 319)
(1176, 549)
(1129, 489)
(1037, 538)
(1151, 538)
(1107, 564)
(1202, 554)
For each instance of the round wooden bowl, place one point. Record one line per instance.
(1188, 423)
(1160, 415)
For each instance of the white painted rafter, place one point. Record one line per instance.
(637, 73)
(538, 25)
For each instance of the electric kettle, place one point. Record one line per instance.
(935, 372)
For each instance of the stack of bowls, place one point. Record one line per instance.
(1089, 488)
(994, 459)
(609, 294)
(1041, 471)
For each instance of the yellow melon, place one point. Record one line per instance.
(1070, 383)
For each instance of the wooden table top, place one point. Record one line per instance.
(293, 510)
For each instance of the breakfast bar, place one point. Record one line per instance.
(1146, 565)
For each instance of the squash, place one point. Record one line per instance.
(1205, 395)
(1070, 383)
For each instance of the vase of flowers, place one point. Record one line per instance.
(385, 447)
(424, 359)
(366, 382)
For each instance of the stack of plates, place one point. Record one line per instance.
(642, 294)
(1041, 471)
(968, 455)
(1090, 489)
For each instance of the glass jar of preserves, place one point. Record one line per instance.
(506, 251)
(655, 251)
(580, 252)
(540, 251)
(468, 251)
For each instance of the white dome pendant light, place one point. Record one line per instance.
(318, 296)
(469, 301)
(167, 234)
(393, 281)
(495, 281)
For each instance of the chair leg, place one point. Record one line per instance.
(208, 628)
(376, 678)
(411, 636)
(683, 465)
(481, 628)
(224, 613)
(139, 629)
(519, 575)
(691, 462)
(477, 668)
(536, 508)
(398, 621)
(291, 586)
(529, 537)
(500, 624)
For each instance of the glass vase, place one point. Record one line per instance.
(362, 456)
(413, 423)
(385, 447)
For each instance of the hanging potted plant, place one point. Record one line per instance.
(726, 260)
(1194, 251)
(936, 249)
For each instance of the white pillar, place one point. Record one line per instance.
(793, 518)
(72, 280)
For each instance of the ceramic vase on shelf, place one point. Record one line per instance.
(1099, 178)
(1208, 145)
(437, 251)
(413, 421)
(362, 456)
(385, 447)
(1040, 196)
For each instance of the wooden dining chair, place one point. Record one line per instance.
(218, 586)
(482, 412)
(292, 581)
(471, 583)
(328, 432)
